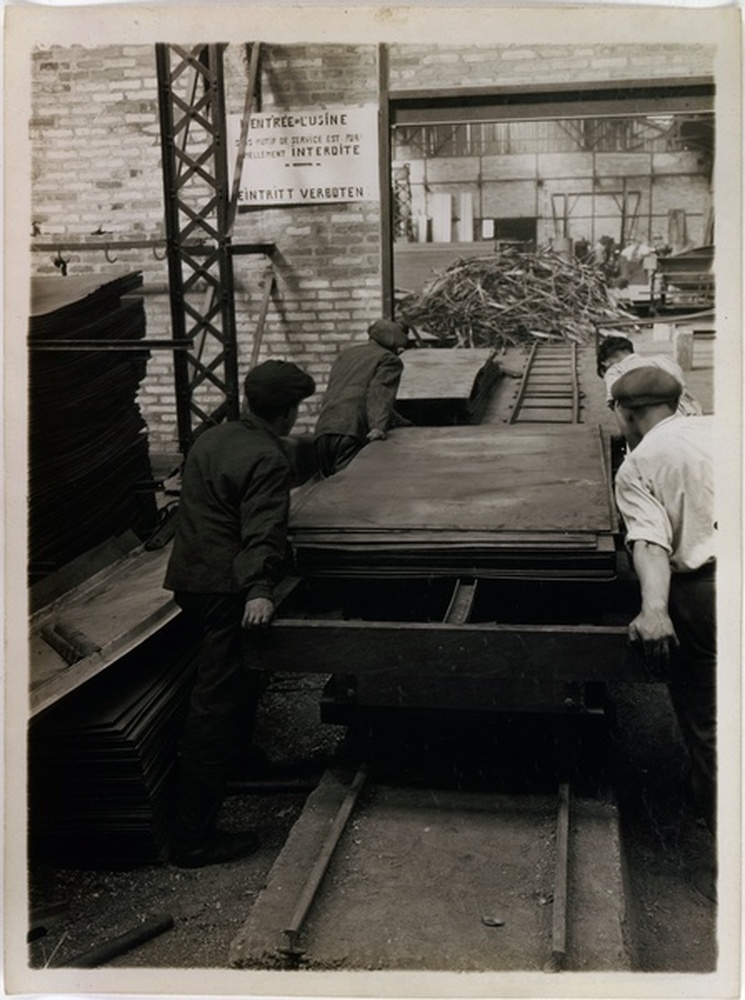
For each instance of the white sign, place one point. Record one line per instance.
(307, 157)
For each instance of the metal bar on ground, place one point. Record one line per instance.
(124, 942)
(321, 865)
(559, 923)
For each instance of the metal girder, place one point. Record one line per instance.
(485, 651)
(197, 211)
(534, 103)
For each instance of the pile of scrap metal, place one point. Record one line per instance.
(513, 296)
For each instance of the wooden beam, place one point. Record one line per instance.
(587, 653)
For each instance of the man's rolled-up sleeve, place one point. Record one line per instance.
(645, 518)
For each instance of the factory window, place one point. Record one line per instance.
(637, 133)
(620, 165)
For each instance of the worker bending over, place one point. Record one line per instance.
(229, 552)
(359, 403)
(665, 494)
(616, 356)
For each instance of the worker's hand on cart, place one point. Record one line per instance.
(376, 435)
(653, 630)
(258, 612)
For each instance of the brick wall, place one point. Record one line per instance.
(96, 175)
(416, 67)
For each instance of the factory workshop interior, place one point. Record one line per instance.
(458, 762)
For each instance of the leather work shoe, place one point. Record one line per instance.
(223, 847)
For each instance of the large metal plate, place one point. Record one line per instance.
(466, 479)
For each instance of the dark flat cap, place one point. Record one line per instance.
(278, 384)
(388, 334)
(646, 386)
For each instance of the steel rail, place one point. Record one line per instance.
(575, 387)
(522, 388)
(292, 932)
(562, 397)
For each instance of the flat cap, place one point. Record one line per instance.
(388, 334)
(646, 386)
(278, 383)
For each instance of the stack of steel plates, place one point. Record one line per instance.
(489, 501)
(101, 764)
(88, 448)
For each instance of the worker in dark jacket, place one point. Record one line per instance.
(665, 494)
(358, 405)
(229, 552)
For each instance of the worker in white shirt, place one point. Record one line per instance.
(617, 355)
(665, 494)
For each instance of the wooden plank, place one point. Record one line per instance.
(497, 652)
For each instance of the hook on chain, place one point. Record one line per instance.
(61, 262)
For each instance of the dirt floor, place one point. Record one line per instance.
(674, 925)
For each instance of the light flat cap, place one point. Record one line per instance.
(646, 386)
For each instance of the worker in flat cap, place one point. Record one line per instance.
(665, 494)
(617, 355)
(230, 551)
(359, 403)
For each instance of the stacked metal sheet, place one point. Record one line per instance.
(101, 764)
(442, 386)
(88, 449)
(489, 501)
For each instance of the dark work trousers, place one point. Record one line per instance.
(693, 679)
(335, 451)
(221, 708)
